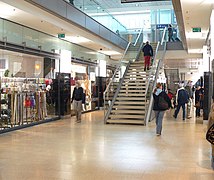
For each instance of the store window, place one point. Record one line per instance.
(81, 74)
(27, 91)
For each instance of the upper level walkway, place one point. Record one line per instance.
(91, 150)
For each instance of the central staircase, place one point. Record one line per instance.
(130, 103)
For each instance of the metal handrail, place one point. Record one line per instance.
(117, 69)
(138, 37)
(116, 93)
(164, 33)
(114, 75)
(149, 110)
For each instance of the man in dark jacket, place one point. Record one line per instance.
(148, 53)
(182, 98)
(188, 88)
(77, 98)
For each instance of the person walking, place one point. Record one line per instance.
(170, 33)
(182, 98)
(77, 99)
(161, 104)
(198, 94)
(72, 2)
(188, 88)
(148, 53)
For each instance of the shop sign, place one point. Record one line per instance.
(196, 29)
(61, 35)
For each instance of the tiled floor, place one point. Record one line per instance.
(63, 150)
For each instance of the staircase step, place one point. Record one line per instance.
(136, 79)
(129, 90)
(134, 85)
(137, 76)
(136, 66)
(142, 112)
(129, 107)
(133, 88)
(130, 98)
(128, 103)
(136, 71)
(125, 121)
(127, 116)
(131, 94)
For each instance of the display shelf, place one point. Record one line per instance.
(23, 101)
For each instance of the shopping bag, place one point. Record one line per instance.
(210, 134)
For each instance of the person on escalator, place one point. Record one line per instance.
(148, 53)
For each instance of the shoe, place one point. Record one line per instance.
(184, 119)
(148, 68)
(144, 69)
(158, 134)
(174, 116)
(189, 117)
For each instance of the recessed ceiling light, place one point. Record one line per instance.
(98, 7)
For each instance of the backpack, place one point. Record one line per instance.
(162, 103)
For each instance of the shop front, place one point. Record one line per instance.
(85, 74)
(93, 80)
(27, 95)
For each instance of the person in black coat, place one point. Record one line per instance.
(77, 99)
(148, 53)
(198, 94)
(158, 109)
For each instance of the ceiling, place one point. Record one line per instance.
(117, 6)
(31, 16)
(192, 14)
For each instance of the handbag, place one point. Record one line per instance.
(210, 134)
(197, 105)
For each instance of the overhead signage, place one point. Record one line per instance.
(138, 1)
(161, 26)
(196, 29)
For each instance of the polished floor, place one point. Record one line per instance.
(65, 150)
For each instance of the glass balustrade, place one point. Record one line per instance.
(23, 36)
(97, 11)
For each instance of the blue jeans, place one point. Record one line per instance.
(159, 120)
(178, 109)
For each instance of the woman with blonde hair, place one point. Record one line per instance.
(161, 104)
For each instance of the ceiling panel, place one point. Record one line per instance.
(116, 5)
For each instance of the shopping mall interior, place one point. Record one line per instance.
(50, 49)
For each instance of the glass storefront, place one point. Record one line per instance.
(86, 75)
(27, 89)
